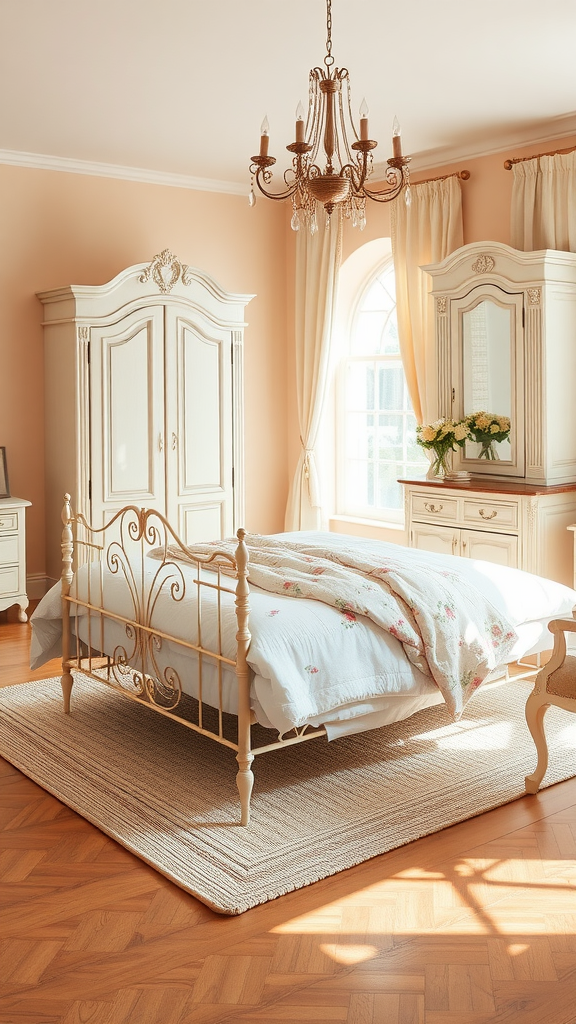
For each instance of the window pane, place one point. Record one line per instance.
(378, 296)
(390, 342)
(389, 490)
(360, 385)
(368, 330)
(391, 381)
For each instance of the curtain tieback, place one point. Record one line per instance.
(308, 453)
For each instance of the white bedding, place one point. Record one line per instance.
(310, 664)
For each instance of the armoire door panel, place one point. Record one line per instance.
(201, 522)
(201, 411)
(127, 412)
(199, 423)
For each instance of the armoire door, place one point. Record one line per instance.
(127, 432)
(199, 417)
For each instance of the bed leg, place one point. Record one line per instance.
(244, 782)
(67, 682)
(535, 711)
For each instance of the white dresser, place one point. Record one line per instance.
(13, 555)
(513, 523)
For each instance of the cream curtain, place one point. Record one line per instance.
(317, 265)
(424, 232)
(544, 203)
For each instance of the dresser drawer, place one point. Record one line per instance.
(492, 514)
(9, 581)
(432, 508)
(8, 522)
(8, 549)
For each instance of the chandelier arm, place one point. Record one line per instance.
(287, 194)
(385, 195)
(357, 173)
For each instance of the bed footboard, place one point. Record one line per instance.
(118, 605)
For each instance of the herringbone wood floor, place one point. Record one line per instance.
(471, 925)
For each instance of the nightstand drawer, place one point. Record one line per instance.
(493, 514)
(8, 581)
(434, 507)
(8, 522)
(9, 549)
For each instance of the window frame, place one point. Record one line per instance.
(344, 507)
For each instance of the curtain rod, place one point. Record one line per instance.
(508, 164)
(463, 175)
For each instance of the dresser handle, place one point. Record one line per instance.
(174, 441)
(160, 443)
(430, 507)
(487, 515)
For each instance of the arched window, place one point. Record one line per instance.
(376, 426)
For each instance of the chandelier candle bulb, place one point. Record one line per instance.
(264, 137)
(396, 139)
(363, 121)
(300, 123)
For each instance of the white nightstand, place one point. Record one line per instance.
(13, 555)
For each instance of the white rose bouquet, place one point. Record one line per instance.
(486, 428)
(441, 437)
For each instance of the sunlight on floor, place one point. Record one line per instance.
(476, 898)
(347, 954)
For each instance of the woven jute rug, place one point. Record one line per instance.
(169, 795)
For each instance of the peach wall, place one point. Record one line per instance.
(58, 228)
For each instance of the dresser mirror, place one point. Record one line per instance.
(487, 362)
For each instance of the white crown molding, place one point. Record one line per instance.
(42, 162)
(544, 133)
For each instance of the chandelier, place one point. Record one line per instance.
(329, 136)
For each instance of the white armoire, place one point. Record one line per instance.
(143, 393)
(505, 328)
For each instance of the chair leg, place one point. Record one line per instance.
(535, 711)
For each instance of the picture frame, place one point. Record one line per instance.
(4, 485)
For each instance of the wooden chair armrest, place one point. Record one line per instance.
(558, 627)
(562, 625)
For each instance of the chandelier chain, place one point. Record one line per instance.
(328, 59)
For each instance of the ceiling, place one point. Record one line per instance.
(180, 87)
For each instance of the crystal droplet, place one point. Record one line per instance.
(251, 198)
(362, 222)
(408, 197)
(295, 222)
(313, 224)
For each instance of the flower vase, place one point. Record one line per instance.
(488, 451)
(440, 466)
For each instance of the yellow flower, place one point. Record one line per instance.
(461, 431)
(428, 433)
